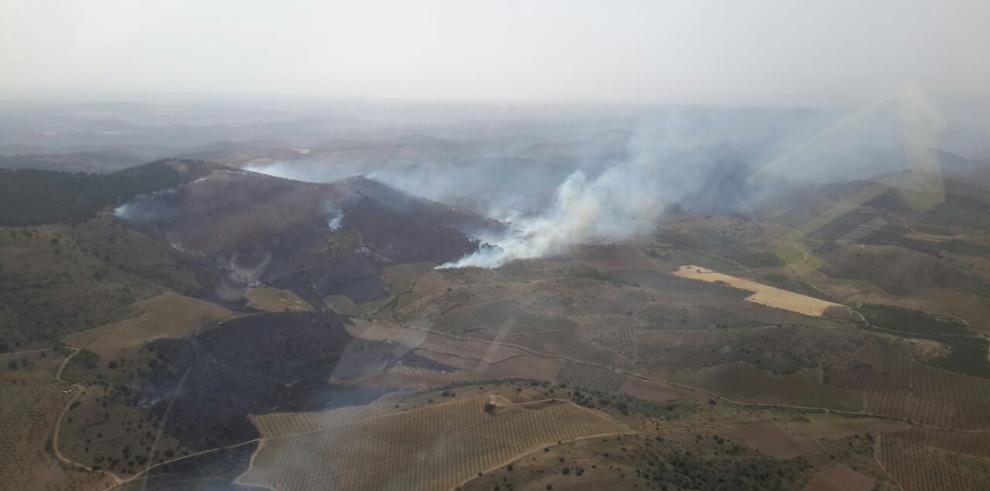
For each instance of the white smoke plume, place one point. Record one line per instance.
(334, 216)
(622, 202)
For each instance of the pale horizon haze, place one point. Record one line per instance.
(689, 52)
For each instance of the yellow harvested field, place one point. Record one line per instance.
(168, 315)
(433, 447)
(762, 294)
(276, 300)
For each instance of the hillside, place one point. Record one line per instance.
(314, 239)
(31, 196)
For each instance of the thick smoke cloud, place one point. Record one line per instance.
(697, 159)
(619, 203)
(687, 157)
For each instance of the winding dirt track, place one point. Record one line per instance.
(118, 481)
(79, 389)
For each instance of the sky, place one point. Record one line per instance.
(787, 52)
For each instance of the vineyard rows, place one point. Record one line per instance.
(897, 386)
(435, 447)
(919, 468)
(283, 424)
(436, 376)
(589, 377)
(971, 443)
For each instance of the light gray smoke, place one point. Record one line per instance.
(333, 215)
(622, 202)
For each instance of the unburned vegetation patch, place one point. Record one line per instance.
(967, 353)
(648, 461)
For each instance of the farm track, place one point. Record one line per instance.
(120, 481)
(79, 389)
(686, 386)
(390, 304)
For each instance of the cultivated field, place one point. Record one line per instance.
(276, 300)
(762, 294)
(286, 424)
(432, 447)
(168, 315)
(742, 382)
(413, 378)
(473, 353)
(975, 443)
(919, 468)
(897, 386)
(589, 377)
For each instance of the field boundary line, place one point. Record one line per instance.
(237, 480)
(841, 412)
(369, 418)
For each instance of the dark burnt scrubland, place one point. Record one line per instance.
(200, 390)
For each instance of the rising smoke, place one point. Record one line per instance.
(698, 158)
(621, 202)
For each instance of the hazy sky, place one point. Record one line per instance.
(692, 51)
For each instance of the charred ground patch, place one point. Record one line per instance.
(198, 391)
